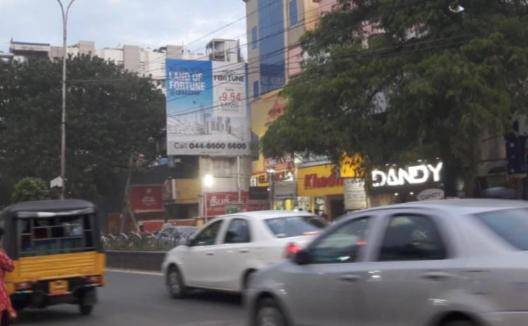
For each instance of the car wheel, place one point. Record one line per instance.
(175, 284)
(269, 314)
(463, 322)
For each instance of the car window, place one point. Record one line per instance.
(294, 226)
(510, 224)
(208, 235)
(343, 245)
(412, 237)
(238, 232)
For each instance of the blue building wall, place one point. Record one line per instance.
(271, 45)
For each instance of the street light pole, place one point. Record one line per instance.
(65, 12)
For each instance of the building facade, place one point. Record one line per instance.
(143, 61)
(274, 30)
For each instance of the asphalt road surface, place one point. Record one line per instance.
(131, 299)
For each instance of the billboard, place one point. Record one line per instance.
(207, 111)
(146, 199)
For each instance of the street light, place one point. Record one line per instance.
(65, 12)
(207, 183)
(456, 8)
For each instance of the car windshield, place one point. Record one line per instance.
(294, 226)
(511, 225)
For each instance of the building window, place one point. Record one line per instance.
(271, 45)
(256, 91)
(294, 18)
(254, 38)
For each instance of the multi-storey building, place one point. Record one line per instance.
(143, 61)
(274, 30)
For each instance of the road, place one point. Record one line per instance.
(131, 299)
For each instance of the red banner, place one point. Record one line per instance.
(146, 199)
(219, 202)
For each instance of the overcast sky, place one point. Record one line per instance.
(111, 23)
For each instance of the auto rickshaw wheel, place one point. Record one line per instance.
(85, 309)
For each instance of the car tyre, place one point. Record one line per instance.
(463, 322)
(269, 314)
(175, 284)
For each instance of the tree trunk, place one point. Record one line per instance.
(451, 174)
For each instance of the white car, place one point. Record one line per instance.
(225, 253)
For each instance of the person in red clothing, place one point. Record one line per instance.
(6, 266)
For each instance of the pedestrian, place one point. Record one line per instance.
(6, 266)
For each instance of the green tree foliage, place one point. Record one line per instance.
(431, 85)
(29, 189)
(111, 113)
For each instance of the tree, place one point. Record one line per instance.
(430, 83)
(29, 189)
(112, 115)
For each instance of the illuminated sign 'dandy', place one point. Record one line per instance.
(411, 175)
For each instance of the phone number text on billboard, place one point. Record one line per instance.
(199, 146)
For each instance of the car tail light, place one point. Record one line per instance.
(96, 280)
(291, 250)
(23, 286)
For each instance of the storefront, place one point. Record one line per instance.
(320, 190)
(393, 184)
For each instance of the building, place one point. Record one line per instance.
(6, 57)
(184, 194)
(143, 61)
(24, 51)
(274, 29)
(224, 50)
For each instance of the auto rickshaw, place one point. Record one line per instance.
(57, 252)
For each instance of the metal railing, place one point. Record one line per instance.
(141, 242)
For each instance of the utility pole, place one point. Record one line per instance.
(65, 12)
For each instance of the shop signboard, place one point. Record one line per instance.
(410, 175)
(284, 190)
(321, 180)
(355, 194)
(351, 166)
(146, 198)
(220, 203)
(207, 111)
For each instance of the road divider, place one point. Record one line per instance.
(149, 261)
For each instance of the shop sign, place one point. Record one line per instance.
(314, 181)
(355, 194)
(412, 175)
(218, 202)
(282, 163)
(146, 199)
(351, 166)
(284, 190)
(431, 194)
(321, 180)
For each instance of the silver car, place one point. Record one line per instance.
(435, 263)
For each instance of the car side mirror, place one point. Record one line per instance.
(188, 242)
(303, 257)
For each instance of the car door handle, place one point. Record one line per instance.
(243, 251)
(436, 275)
(209, 253)
(350, 278)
